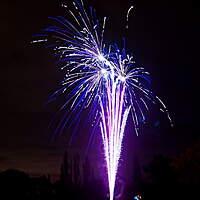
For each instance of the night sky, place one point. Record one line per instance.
(163, 37)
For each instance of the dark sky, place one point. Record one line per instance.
(163, 38)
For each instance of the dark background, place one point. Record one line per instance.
(163, 36)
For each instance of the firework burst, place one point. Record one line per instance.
(99, 74)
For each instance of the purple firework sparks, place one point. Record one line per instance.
(99, 74)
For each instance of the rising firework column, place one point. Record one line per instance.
(100, 76)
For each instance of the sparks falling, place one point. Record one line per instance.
(99, 75)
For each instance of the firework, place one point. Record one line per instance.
(100, 75)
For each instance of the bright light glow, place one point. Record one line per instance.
(104, 77)
(103, 71)
(101, 58)
(122, 78)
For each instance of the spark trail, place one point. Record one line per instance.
(101, 76)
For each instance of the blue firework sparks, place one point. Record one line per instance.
(102, 75)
